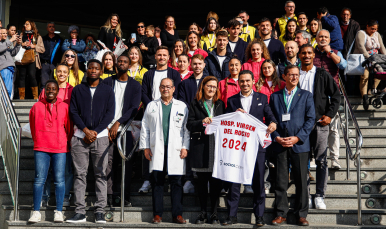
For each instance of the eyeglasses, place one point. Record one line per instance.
(293, 76)
(166, 87)
(68, 56)
(140, 26)
(211, 87)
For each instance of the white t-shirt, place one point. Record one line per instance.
(269, 83)
(80, 134)
(221, 60)
(158, 76)
(191, 53)
(237, 139)
(266, 42)
(119, 91)
(183, 75)
(232, 45)
(307, 79)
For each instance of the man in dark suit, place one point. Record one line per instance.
(295, 111)
(256, 104)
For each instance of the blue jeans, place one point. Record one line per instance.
(7, 74)
(69, 179)
(42, 165)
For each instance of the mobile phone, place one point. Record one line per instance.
(18, 32)
(133, 35)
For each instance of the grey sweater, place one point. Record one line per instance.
(6, 54)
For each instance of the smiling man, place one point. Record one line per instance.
(92, 110)
(275, 47)
(236, 44)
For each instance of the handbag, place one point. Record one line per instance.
(28, 57)
(354, 62)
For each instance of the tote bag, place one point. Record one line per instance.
(354, 62)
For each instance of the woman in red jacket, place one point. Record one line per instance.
(50, 129)
(65, 89)
(269, 82)
(229, 86)
(179, 48)
(256, 54)
(194, 45)
(184, 66)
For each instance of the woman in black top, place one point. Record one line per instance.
(206, 105)
(111, 33)
(169, 34)
(140, 36)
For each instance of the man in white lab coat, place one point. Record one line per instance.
(165, 141)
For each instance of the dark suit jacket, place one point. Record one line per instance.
(147, 84)
(259, 108)
(187, 89)
(302, 121)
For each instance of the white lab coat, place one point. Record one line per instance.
(152, 136)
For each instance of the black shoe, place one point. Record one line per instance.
(366, 102)
(214, 219)
(109, 200)
(260, 221)
(100, 218)
(230, 220)
(202, 218)
(128, 204)
(77, 218)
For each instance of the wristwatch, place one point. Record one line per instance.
(329, 53)
(274, 122)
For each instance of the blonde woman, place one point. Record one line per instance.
(70, 58)
(111, 32)
(136, 70)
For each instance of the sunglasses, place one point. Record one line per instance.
(141, 26)
(68, 55)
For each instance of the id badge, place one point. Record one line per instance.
(286, 117)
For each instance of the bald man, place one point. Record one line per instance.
(291, 50)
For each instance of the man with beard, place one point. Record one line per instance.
(127, 99)
(7, 65)
(291, 50)
(326, 98)
(275, 47)
(331, 24)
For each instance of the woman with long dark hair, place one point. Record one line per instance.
(194, 45)
(256, 53)
(209, 35)
(290, 29)
(178, 49)
(109, 65)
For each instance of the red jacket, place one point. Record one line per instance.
(233, 89)
(64, 94)
(175, 68)
(187, 76)
(198, 51)
(50, 127)
(266, 90)
(254, 67)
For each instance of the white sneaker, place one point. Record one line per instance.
(319, 203)
(35, 217)
(266, 190)
(335, 164)
(188, 187)
(58, 217)
(310, 206)
(145, 187)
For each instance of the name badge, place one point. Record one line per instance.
(286, 117)
(177, 118)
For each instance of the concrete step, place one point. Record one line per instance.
(143, 215)
(370, 114)
(25, 102)
(368, 174)
(362, 121)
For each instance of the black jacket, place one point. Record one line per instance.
(240, 48)
(212, 65)
(187, 89)
(168, 40)
(55, 52)
(148, 57)
(108, 37)
(96, 112)
(201, 145)
(326, 94)
(139, 40)
(131, 97)
(276, 51)
(352, 30)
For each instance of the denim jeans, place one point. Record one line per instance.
(8, 74)
(42, 165)
(69, 179)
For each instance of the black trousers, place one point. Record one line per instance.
(114, 171)
(215, 186)
(157, 180)
(299, 162)
(46, 73)
(27, 72)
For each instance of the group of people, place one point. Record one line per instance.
(284, 74)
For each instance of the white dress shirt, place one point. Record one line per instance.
(246, 102)
(307, 79)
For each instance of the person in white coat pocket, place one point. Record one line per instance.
(165, 141)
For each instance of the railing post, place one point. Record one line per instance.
(123, 180)
(16, 207)
(359, 191)
(348, 137)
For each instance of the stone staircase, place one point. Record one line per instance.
(341, 198)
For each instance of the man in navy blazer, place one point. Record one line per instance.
(295, 111)
(154, 76)
(256, 104)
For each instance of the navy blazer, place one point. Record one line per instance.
(187, 90)
(131, 97)
(302, 121)
(276, 51)
(147, 84)
(240, 48)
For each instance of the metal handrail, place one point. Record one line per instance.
(121, 145)
(358, 146)
(10, 132)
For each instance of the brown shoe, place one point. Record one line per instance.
(303, 222)
(157, 219)
(311, 177)
(279, 220)
(35, 92)
(179, 220)
(21, 93)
